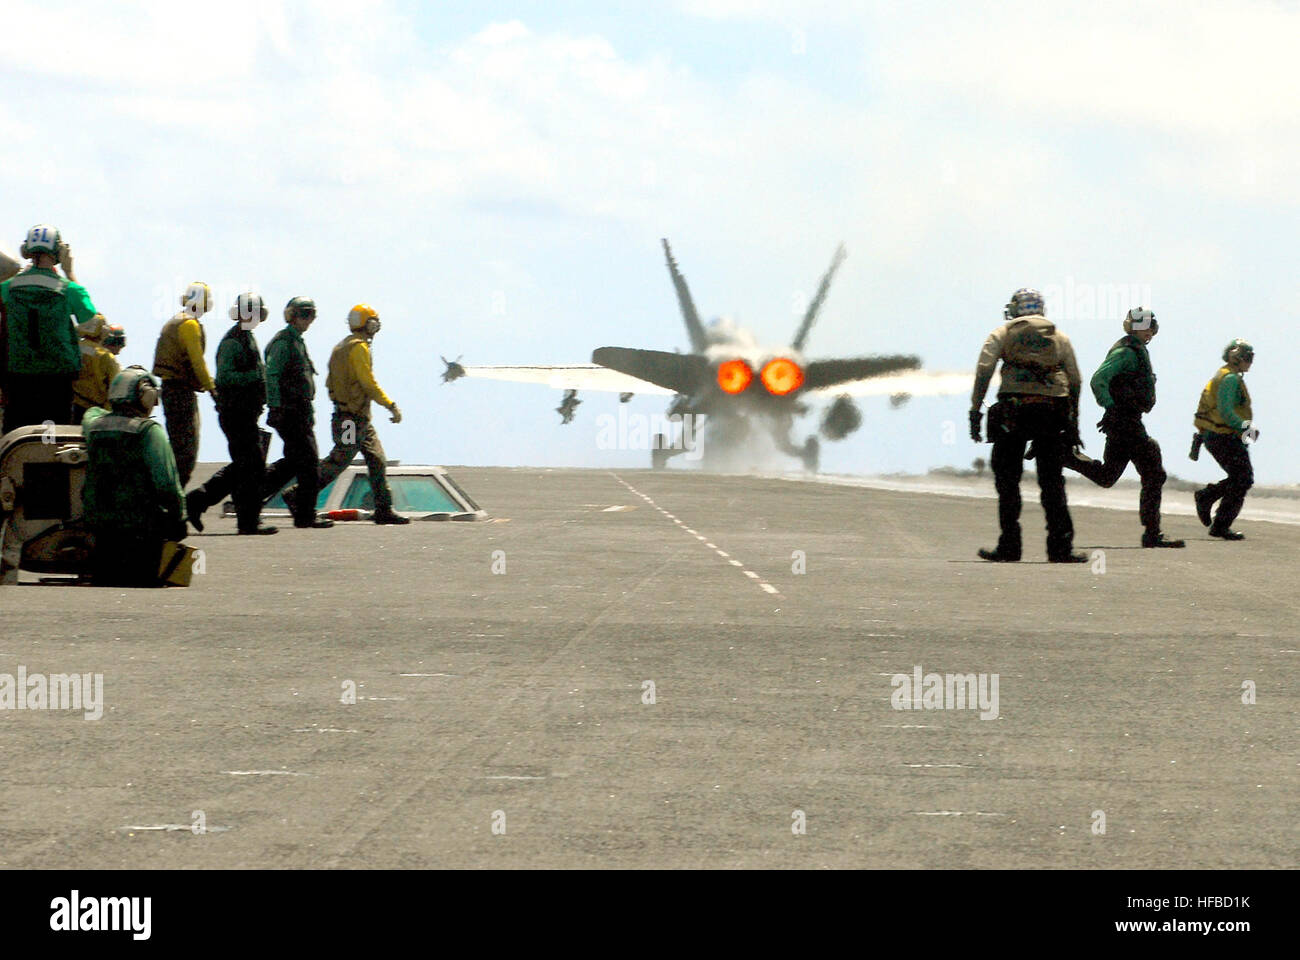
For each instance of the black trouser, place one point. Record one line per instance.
(301, 460)
(181, 409)
(31, 399)
(242, 478)
(1127, 441)
(1231, 454)
(1012, 424)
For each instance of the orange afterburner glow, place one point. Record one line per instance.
(782, 376)
(734, 376)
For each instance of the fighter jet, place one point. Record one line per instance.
(732, 383)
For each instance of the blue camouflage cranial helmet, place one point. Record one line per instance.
(1023, 303)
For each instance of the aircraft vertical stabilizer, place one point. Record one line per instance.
(693, 325)
(811, 314)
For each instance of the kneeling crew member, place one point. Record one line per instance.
(1125, 388)
(290, 389)
(352, 387)
(132, 496)
(1224, 420)
(1038, 402)
(241, 395)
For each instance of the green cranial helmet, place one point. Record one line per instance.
(1238, 351)
(299, 307)
(133, 391)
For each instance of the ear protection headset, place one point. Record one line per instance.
(197, 298)
(134, 387)
(244, 306)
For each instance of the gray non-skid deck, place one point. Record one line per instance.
(515, 698)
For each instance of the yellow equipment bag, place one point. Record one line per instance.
(177, 565)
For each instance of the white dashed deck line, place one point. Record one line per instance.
(763, 584)
(266, 773)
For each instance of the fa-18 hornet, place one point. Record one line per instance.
(735, 384)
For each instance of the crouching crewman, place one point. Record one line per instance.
(133, 499)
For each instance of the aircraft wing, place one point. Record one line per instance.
(8, 266)
(915, 383)
(675, 372)
(572, 376)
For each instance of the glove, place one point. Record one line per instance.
(1072, 438)
(396, 413)
(274, 417)
(1249, 432)
(65, 261)
(975, 418)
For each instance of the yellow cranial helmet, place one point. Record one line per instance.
(362, 316)
(197, 299)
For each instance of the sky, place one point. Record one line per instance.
(494, 178)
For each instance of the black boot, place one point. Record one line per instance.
(194, 510)
(1204, 504)
(1067, 557)
(1223, 533)
(998, 555)
(314, 522)
(1158, 539)
(386, 515)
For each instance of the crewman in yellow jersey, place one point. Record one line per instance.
(352, 386)
(114, 339)
(1224, 423)
(98, 368)
(178, 362)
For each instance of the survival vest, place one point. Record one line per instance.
(241, 375)
(119, 494)
(40, 336)
(1135, 389)
(1207, 411)
(1032, 358)
(290, 374)
(171, 361)
(98, 368)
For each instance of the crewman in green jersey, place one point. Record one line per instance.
(1125, 388)
(132, 495)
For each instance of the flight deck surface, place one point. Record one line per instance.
(502, 669)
